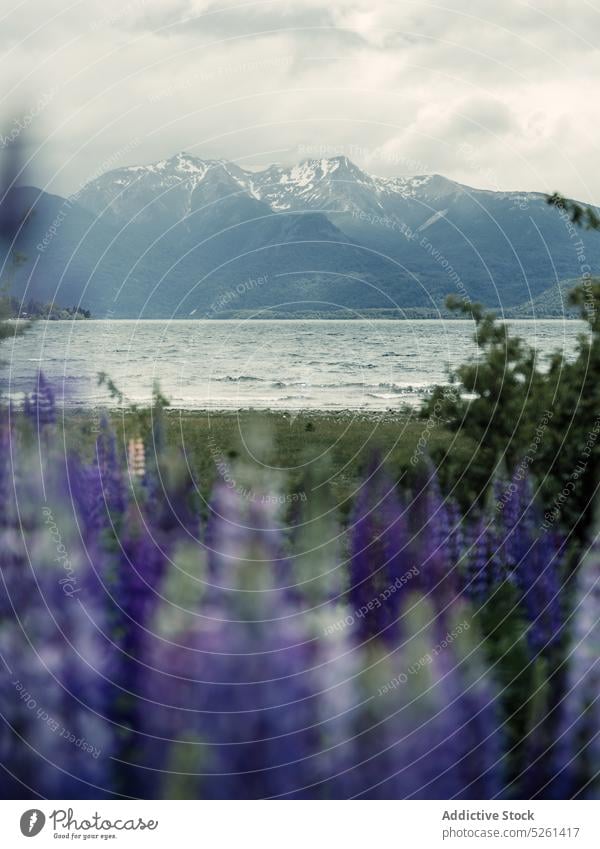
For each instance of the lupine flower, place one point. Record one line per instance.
(239, 666)
(379, 564)
(241, 702)
(530, 558)
(245, 549)
(538, 577)
(55, 738)
(514, 525)
(238, 691)
(477, 582)
(581, 714)
(431, 731)
(433, 541)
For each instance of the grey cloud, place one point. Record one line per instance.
(219, 21)
(480, 116)
(403, 82)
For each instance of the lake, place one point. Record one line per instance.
(228, 365)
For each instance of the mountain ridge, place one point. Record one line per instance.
(171, 237)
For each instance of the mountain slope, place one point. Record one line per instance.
(187, 235)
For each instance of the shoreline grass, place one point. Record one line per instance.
(284, 448)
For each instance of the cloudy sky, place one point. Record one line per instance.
(502, 96)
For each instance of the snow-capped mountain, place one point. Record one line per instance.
(181, 235)
(168, 188)
(340, 186)
(326, 184)
(181, 184)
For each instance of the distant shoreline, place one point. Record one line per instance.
(365, 316)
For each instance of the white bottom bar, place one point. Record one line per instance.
(300, 825)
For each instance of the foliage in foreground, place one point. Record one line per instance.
(518, 413)
(410, 653)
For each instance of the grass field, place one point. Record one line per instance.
(284, 449)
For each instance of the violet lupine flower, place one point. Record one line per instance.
(55, 739)
(53, 699)
(531, 560)
(514, 524)
(131, 572)
(129, 546)
(379, 564)
(245, 549)
(237, 691)
(433, 541)
(477, 580)
(40, 406)
(432, 734)
(538, 578)
(172, 494)
(87, 494)
(243, 706)
(580, 729)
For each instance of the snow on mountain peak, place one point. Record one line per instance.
(188, 164)
(333, 184)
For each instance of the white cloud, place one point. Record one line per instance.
(402, 83)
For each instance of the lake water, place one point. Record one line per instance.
(367, 365)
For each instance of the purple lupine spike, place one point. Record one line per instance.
(315, 545)
(531, 560)
(538, 578)
(475, 734)
(477, 580)
(549, 748)
(52, 696)
(432, 734)
(87, 494)
(431, 544)
(246, 691)
(576, 760)
(379, 563)
(504, 529)
(516, 522)
(245, 551)
(172, 494)
(130, 573)
(456, 537)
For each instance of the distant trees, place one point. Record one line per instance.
(11, 307)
